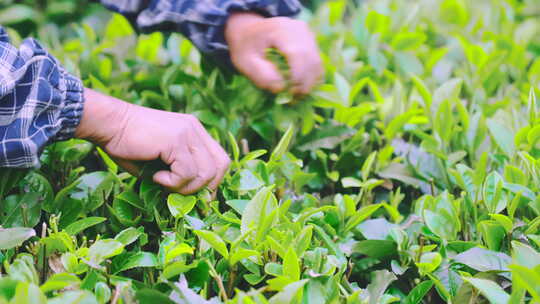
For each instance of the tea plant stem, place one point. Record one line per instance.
(232, 279)
(150, 276)
(349, 271)
(24, 216)
(362, 198)
(343, 290)
(475, 214)
(245, 146)
(474, 295)
(116, 295)
(44, 265)
(273, 256)
(219, 282)
(178, 225)
(466, 214)
(420, 248)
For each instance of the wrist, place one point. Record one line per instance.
(103, 117)
(237, 23)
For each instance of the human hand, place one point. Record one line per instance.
(249, 36)
(130, 133)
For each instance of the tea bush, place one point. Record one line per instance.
(410, 175)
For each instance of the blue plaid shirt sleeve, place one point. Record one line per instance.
(201, 21)
(39, 102)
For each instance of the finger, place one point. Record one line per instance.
(222, 165)
(302, 57)
(304, 69)
(182, 170)
(260, 71)
(206, 168)
(221, 159)
(313, 76)
(206, 173)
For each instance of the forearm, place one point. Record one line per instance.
(102, 117)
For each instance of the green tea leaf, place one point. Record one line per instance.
(180, 205)
(493, 292)
(418, 293)
(118, 27)
(429, 262)
(242, 254)
(502, 136)
(378, 249)
(492, 193)
(13, 237)
(104, 249)
(81, 225)
(380, 282)
(214, 240)
(283, 145)
(524, 255)
(291, 266)
(529, 279)
(260, 206)
(20, 210)
(484, 260)
(128, 236)
(361, 215)
(59, 281)
(139, 259)
(289, 293)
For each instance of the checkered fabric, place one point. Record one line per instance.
(202, 21)
(40, 102)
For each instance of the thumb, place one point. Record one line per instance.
(261, 71)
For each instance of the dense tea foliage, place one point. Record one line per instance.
(411, 175)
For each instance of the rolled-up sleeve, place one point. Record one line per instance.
(201, 21)
(39, 102)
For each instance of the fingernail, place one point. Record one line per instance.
(276, 86)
